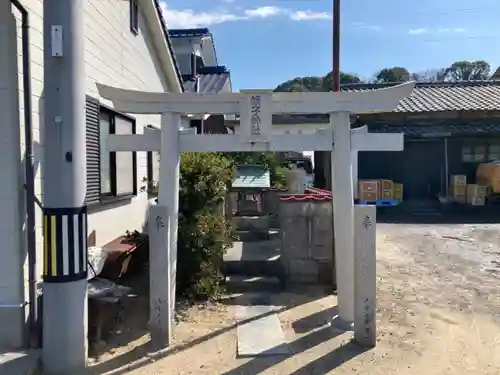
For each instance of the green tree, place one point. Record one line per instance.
(467, 71)
(301, 84)
(430, 75)
(394, 74)
(345, 78)
(204, 232)
(315, 84)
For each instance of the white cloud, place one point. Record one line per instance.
(440, 30)
(188, 18)
(452, 30)
(418, 31)
(307, 15)
(264, 12)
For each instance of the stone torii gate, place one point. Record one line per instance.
(256, 109)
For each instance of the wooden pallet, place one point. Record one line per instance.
(380, 202)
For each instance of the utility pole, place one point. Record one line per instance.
(64, 189)
(336, 47)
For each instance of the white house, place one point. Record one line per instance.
(126, 45)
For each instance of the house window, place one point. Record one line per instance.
(494, 152)
(480, 153)
(134, 16)
(110, 175)
(118, 169)
(474, 153)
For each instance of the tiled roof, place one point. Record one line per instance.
(444, 96)
(426, 97)
(496, 75)
(209, 80)
(167, 38)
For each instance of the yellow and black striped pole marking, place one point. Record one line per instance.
(65, 244)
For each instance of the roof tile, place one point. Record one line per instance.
(444, 96)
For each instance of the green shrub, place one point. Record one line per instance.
(204, 233)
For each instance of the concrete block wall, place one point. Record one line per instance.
(271, 206)
(113, 56)
(307, 240)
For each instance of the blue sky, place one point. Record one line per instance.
(266, 42)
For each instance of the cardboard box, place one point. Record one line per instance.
(368, 196)
(476, 201)
(368, 185)
(386, 189)
(475, 190)
(387, 194)
(398, 192)
(457, 190)
(386, 185)
(458, 180)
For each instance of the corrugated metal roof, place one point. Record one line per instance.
(207, 83)
(182, 33)
(252, 176)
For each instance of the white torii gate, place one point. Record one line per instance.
(255, 109)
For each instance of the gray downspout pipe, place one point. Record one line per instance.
(29, 177)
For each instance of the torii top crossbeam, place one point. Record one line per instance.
(140, 102)
(255, 108)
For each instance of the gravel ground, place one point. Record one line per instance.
(438, 314)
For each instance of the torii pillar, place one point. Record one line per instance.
(256, 111)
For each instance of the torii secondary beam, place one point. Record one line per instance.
(320, 141)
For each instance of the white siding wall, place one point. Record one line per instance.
(113, 56)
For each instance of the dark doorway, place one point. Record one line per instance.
(423, 169)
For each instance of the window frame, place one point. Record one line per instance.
(113, 195)
(134, 16)
(472, 146)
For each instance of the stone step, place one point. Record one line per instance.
(271, 268)
(257, 235)
(259, 332)
(253, 284)
(253, 251)
(19, 363)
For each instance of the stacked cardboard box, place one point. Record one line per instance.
(372, 190)
(458, 187)
(398, 192)
(386, 189)
(368, 190)
(476, 194)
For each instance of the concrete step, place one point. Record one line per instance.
(258, 235)
(19, 363)
(253, 250)
(253, 284)
(252, 223)
(272, 268)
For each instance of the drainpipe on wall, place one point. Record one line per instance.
(29, 177)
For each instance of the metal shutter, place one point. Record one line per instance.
(93, 156)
